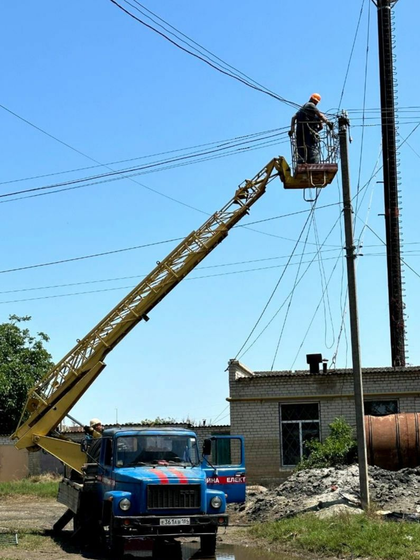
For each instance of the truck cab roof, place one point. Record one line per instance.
(141, 430)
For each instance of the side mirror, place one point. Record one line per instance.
(207, 447)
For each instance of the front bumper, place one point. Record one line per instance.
(149, 526)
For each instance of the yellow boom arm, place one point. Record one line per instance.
(53, 397)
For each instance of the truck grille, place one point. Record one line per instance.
(174, 496)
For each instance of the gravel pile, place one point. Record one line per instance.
(316, 489)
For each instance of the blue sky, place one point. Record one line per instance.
(114, 90)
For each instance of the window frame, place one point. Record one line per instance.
(300, 422)
(382, 400)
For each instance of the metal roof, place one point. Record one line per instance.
(331, 372)
(136, 426)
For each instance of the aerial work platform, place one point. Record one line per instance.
(308, 174)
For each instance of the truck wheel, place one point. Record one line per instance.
(164, 548)
(115, 543)
(116, 548)
(208, 545)
(157, 550)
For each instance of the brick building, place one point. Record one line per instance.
(277, 411)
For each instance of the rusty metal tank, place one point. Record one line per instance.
(393, 441)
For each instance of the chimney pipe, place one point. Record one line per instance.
(313, 360)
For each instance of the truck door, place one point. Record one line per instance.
(227, 470)
(105, 468)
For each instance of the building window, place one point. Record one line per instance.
(381, 408)
(299, 423)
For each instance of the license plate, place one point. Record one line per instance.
(175, 521)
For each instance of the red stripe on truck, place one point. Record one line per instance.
(161, 476)
(181, 476)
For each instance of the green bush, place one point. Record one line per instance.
(339, 448)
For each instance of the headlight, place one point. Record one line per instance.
(125, 504)
(216, 502)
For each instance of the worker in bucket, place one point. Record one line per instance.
(307, 123)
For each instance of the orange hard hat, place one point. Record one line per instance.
(316, 96)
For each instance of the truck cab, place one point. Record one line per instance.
(154, 484)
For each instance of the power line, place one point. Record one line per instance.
(338, 220)
(351, 54)
(206, 276)
(94, 160)
(125, 249)
(89, 256)
(117, 176)
(275, 287)
(295, 283)
(325, 294)
(401, 259)
(202, 277)
(235, 70)
(133, 170)
(325, 289)
(213, 64)
(48, 134)
(136, 276)
(149, 156)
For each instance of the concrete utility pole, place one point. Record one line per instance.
(390, 166)
(343, 123)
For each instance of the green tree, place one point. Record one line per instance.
(23, 362)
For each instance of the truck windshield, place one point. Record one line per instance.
(143, 450)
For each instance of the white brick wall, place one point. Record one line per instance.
(255, 401)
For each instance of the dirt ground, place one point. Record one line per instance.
(25, 514)
(33, 518)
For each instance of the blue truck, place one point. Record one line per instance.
(153, 485)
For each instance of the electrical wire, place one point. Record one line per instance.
(258, 269)
(140, 276)
(92, 256)
(165, 168)
(401, 259)
(214, 64)
(326, 299)
(102, 280)
(325, 289)
(338, 220)
(274, 290)
(203, 49)
(187, 149)
(363, 112)
(351, 54)
(94, 160)
(289, 305)
(133, 171)
(220, 414)
(124, 249)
